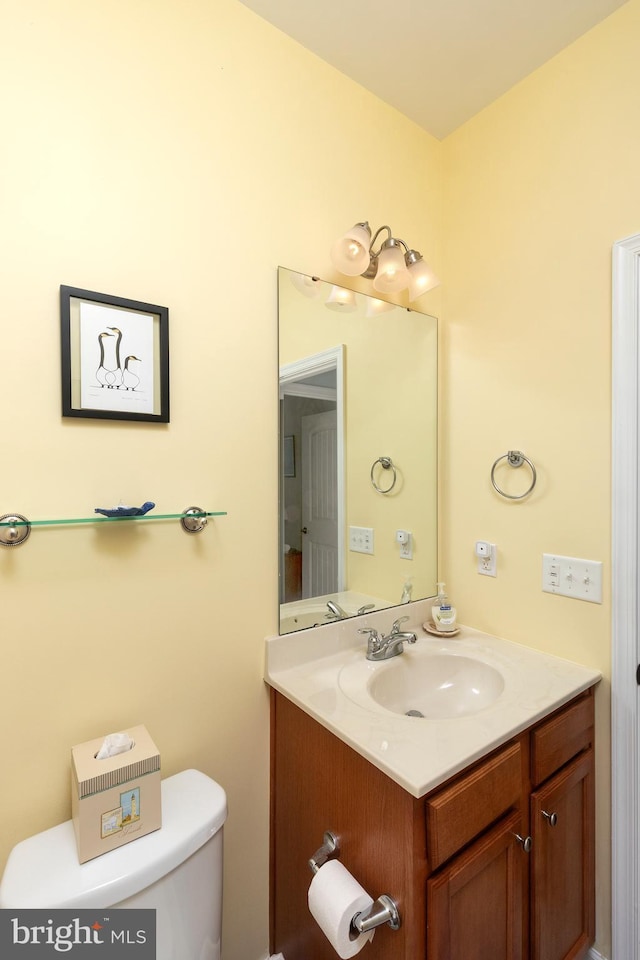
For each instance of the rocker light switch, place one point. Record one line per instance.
(572, 577)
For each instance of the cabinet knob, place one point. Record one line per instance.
(551, 817)
(526, 842)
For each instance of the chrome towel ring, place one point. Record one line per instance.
(387, 464)
(515, 458)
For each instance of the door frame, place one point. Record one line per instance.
(289, 376)
(625, 498)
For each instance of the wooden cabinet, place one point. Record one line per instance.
(562, 827)
(496, 863)
(474, 905)
(319, 783)
(476, 901)
(562, 815)
(292, 575)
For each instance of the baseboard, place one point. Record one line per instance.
(592, 955)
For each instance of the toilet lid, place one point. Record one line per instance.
(43, 871)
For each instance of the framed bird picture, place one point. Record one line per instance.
(115, 357)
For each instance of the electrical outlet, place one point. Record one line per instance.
(487, 558)
(361, 539)
(405, 539)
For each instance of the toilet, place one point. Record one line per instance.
(177, 870)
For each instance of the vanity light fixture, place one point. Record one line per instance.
(391, 269)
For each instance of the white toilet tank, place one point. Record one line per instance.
(177, 870)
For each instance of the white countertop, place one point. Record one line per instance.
(417, 753)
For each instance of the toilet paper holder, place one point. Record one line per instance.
(329, 850)
(382, 910)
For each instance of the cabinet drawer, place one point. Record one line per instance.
(459, 812)
(555, 741)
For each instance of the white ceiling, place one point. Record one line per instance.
(437, 61)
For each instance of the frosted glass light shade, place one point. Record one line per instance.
(308, 286)
(375, 307)
(350, 254)
(421, 279)
(392, 274)
(341, 300)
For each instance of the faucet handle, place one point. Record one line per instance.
(395, 626)
(367, 606)
(373, 640)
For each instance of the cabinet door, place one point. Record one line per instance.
(474, 905)
(563, 875)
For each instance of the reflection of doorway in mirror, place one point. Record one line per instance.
(312, 499)
(319, 505)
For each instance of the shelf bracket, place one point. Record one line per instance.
(17, 532)
(191, 523)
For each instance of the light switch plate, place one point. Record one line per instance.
(361, 539)
(572, 577)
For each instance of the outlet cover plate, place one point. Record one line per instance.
(487, 560)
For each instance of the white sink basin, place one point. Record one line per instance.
(325, 672)
(433, 685)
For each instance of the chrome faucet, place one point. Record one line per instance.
(335, 611)
(383, 648)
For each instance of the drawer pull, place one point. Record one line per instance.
(551, 817)
(526, 842)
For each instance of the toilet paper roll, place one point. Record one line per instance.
(335, 896)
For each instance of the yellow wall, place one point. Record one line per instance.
(172, 153)
(148, 151)
(538, 188)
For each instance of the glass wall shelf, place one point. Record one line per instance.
(14, 528)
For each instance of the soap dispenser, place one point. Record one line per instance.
(406, 590)
(444, 615)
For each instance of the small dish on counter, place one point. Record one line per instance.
(431, 628)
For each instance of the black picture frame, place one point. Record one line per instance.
(101, 379)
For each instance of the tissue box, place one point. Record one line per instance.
(116, 800)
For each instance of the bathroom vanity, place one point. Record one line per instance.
(481, 827)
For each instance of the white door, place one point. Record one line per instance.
(625, 591)
(319, 504)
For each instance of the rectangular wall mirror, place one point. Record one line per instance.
(358, 452)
